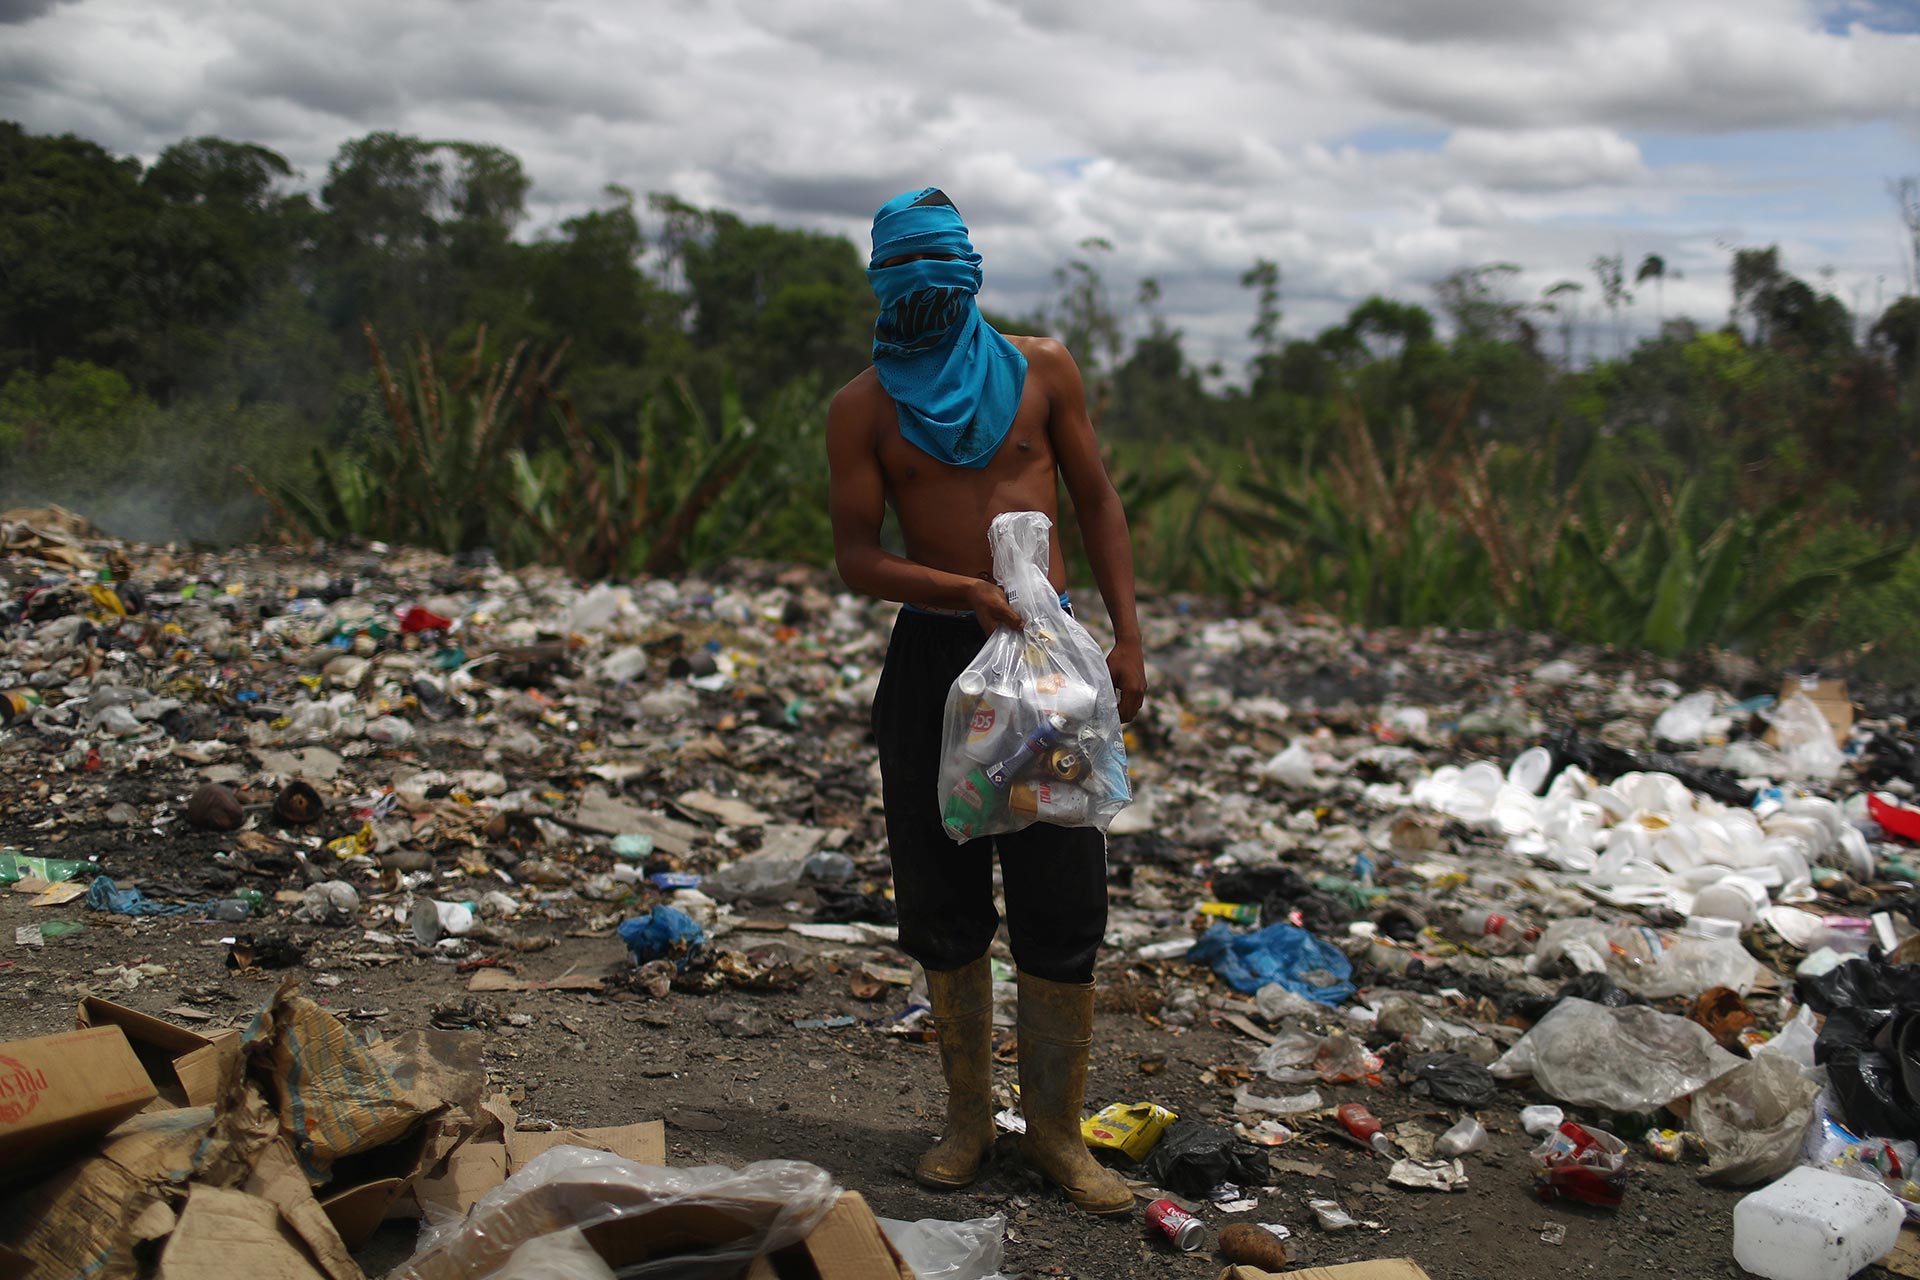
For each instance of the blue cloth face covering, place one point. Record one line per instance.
(955, 382)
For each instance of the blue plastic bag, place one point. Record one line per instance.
(104, 895)
(659, 935)
(1278, 953)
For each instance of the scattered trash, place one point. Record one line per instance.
(1552, 869)
(1581, 1164)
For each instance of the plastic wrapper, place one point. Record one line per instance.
(1693, 965)
(1632, 1059)
(1340, 1059)
(1279, 953)
(663, 933)
(1032, 727)
(1795, 1041)
(1453, 1078)
(1895, 1164)
(1806, 739)
(1466, 1136)
(563, 1255)
(1541, 1119)
(1754, 1121)
(1685, 722)
(1639, 962)
(1580, 1164)
(738, 1213)
(1192, 1159)
(938, 1250)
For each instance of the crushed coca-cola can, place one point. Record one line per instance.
(1179, 1226)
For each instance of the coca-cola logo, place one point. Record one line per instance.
(983, 719)
(20, 1089)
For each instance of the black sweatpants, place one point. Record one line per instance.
(1055, 878)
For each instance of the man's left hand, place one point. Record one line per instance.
(1127, 665)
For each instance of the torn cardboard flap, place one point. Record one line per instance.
(60, 1092)
(497, 1150)
(81, 1221)
(847, 1245)
(338, 1098)
(187, 1068)
(1377, 1269)
(277, 1179)
(226, 1233)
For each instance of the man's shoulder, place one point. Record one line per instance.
(863, 392)
(1038, 347)
(856, 407)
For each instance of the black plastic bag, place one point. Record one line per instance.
(1453, 1078)
(1192, 1159)
(1866, 1078)
(1861, 984)
(850, 906)
(1279, 891)
(1607, 763)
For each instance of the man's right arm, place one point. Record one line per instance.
(857, 505)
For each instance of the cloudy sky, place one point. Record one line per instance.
(1366, 145)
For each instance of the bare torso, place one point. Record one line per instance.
(944, 511)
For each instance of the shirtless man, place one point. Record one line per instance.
(955, 424)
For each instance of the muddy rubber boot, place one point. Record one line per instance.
(962, 1002)
(1056, 1030)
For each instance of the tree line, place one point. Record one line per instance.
(203, 347)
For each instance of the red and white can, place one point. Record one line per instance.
(1181, 1227)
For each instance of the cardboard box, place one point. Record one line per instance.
(498, 1150)
(1378, 1269)
(187, 1068)
(1830, 696)
(846, 1244)
(58, 1093)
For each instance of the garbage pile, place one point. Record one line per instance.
(1641, 912)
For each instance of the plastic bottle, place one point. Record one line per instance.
(1814, 1225)
(17, 704)
(1361, 1123)
(1491, 924)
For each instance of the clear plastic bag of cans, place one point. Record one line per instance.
(1032, 727)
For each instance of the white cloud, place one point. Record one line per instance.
(1368, 146)
(1545, 159)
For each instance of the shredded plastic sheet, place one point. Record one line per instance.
(1632, 1059)
(741, 1213)
(1806, 739)
(1032, 727)
(1754, 1120)
(937, 1250)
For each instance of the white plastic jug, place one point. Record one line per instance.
(1814, 1224)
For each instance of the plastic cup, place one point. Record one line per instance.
(1530, 769)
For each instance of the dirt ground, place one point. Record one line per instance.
(862, 1103)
